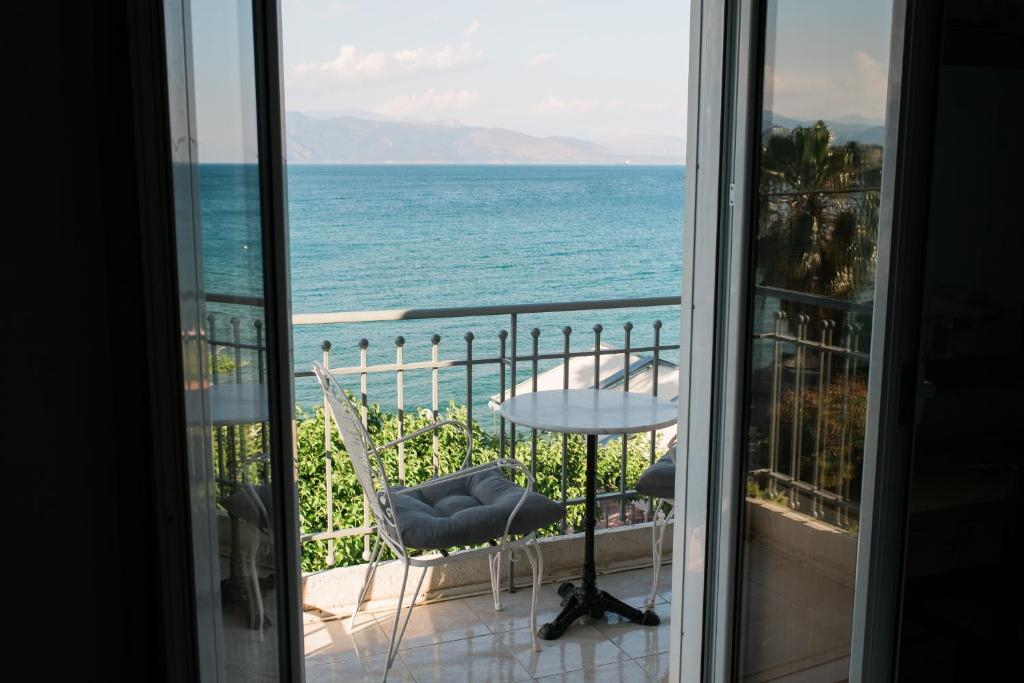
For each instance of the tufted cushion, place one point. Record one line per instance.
(659, 480)
(468, 511)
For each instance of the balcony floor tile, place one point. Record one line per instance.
(330, 639)
(622, 671)
(466, 640)
(482, 658)
(581, 647)
(656, 665)
(636, 640)
(353, 669)
(432, 624)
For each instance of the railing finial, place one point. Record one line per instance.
(364, 343)
(657, 324)
(435, 339)
(399, 341)
(470, 336)
(325, 345)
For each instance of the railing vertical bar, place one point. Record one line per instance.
(400, 397)
(237, 444)
(798, 385)
(502, 337)
(816, 510)
(325, 346)
(566, 331)
(535, 333)
(854, 369)
(627, 329)
(261, 378)
(364, 415)
(844, 430)
(773, 425)
(654, 392)
(513, 381)
(597, 380)
(435, 341)
(469, 382)
(827, 409)
(514, 322)
(211, 322)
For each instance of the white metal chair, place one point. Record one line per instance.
(512, 517)
(658, 482)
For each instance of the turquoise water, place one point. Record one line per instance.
(380, 237)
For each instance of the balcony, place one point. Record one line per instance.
(798, 484)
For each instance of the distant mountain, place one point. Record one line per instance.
(357, 140)
(849, 128)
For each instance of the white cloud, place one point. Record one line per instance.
(541, 58)
(357, 64)
(473, 27)
(872, 74)
(557, 104)
(430, 103)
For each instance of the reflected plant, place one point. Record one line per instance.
(818, 212)
(840, 442)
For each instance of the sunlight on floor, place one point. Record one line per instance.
(466, 640)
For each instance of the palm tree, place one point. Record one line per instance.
(818, 212)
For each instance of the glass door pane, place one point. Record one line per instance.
(816, 210)
(222, 279)
(232, 264)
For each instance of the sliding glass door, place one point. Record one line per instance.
(788, 245)
(232, 279)
(815, 199)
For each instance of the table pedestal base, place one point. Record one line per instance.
(586, 599)
(578, 602)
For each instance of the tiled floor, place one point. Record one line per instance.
(466, 641)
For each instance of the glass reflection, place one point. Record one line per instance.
(232, 268)
(818, 179)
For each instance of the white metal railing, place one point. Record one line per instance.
(813, 373)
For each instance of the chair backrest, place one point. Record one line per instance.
(366, 461)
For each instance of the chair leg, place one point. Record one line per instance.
(396, 634)
(371, 568)
(255, 595)
(537, 568)
(494, 562)
(661, 521)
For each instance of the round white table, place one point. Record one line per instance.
(590, 412)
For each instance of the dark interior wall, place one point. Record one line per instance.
(962, 594)
(77, 429)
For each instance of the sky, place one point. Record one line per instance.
(594, 69)
(591, 69)
(827, 59)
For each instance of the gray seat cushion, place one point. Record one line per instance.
(468, 511)
(659, 480)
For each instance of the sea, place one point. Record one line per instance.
(400, 237)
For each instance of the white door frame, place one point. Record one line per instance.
(704, 199)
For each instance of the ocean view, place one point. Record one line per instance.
(389, 236)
